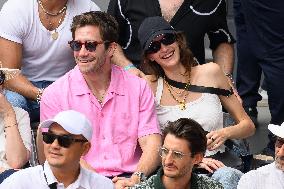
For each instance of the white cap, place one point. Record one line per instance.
(73, 122)
(277, 130)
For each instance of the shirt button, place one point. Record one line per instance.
(105, 157)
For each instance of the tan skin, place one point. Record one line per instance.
(16, 152)
(64, 162)
(209, 75)
(11, 55)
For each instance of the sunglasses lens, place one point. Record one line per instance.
(75, 45)
(91, 46)
(48, 138)
(279, 143)
(65, 141)
(168, 39)
(154, 47)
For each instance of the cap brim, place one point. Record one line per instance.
(154, 35)
(46, 123)
(276, 130)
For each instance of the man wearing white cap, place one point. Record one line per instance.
(66, 140)
(272, 175)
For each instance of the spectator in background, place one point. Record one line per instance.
(264, 40)
(183, 148)
(15, 133)
(67, 139)
(120, 105)
(272, 175)
(33, 38)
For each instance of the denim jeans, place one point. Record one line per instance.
(31, 106)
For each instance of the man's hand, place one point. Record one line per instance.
(210, 164)
(123, 182)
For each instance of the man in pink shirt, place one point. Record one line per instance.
(126, 136)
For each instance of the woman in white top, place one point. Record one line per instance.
(15, 135)
(168, 59)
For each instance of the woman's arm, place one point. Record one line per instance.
(243, 128)
(16, 152)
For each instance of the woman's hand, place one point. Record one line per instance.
(210, 164)
(216, 138)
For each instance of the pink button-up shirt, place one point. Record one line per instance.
(127, 113)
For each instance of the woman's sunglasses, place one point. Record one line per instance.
(2, 77)
(63, 140)
(89, 45)
(155, 46)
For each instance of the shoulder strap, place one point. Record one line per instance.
(200, 89)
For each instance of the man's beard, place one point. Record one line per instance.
(279, 162)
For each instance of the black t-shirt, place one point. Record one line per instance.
(195, 18)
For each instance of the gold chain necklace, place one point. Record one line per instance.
(50, 13)
(55, 34)
(182, 104)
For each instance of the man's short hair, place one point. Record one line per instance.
(189, 130)
(107, 24)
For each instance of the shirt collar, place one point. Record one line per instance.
(81, 181)
(116, 86)
(159, 184)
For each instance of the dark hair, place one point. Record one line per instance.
(107, 24)
(186, 59)
(189, 130)
(2, 77)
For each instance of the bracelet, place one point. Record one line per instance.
(10, 126)
(39, 94)
(129, 66)
(230, 76)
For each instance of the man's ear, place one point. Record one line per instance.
(197, 158)
(86, 147)
(111, 48)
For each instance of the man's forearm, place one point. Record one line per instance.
(23, 86)
(119, 58)
(224, 56)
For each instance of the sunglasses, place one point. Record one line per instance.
(155, 46)
(163, 152)
(279, 143)
(89, 45)
(63, 140)
(2, 77)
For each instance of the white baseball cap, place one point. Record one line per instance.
(73, 122)
(277, 130)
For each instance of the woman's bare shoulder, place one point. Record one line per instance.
(152, 82)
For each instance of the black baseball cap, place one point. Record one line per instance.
(150, 28)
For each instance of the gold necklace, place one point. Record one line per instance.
(55, 34)
(182, 104)
(50, 13)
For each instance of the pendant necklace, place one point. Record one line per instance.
(182, 104)
(54, 33)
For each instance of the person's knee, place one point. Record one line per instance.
(229, 177)
(16, 100)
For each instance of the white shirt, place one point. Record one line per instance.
(39, 178)
(43, 58)
(206, 110)
(23, 121)
(266, 177)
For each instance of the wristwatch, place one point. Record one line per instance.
(141, 176)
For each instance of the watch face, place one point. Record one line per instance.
(2, 77)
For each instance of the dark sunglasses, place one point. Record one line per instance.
(63, 140)
(89, 45)
(2, 77)
(279, 142)
(155, 46)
